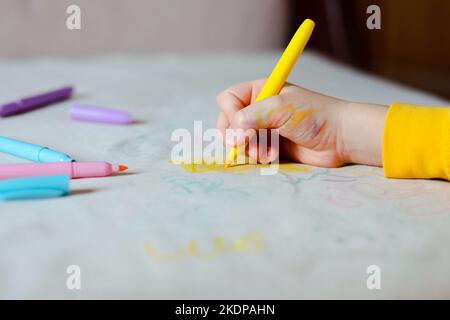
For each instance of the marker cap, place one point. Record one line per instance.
(9, 109)
(47, 155)
(89, 113)
(34, 102)
(31, 151)
(34, 188)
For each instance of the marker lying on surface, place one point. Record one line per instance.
(72, 169)
(34, 188)
(34, 102)
(88, 113)
(280, 73)
(31, 152)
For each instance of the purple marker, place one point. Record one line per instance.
(34, 102)
(89, 113)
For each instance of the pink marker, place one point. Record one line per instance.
(73, 169)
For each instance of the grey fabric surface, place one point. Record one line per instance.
(161, 232)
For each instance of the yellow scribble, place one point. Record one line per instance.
(270, 113)
(288, 108)
(298, 117)
(264, 119)
(251, 242)
(239, 169)
(259, 119)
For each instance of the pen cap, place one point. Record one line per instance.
(89, 113)
(30, 151)
(10, 109)
(46, 98)
(34, 188)
(34, 102)
(47, 155)
(20, 149)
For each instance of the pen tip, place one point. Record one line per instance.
(122, 168)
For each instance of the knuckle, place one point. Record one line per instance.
(220, 97)
(278, 100)
(240, 119)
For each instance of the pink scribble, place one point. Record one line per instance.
(341, 197)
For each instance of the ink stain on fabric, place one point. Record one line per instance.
(251, 243)
(240, 169)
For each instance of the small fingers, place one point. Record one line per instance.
(269, 113)
(222, 123)
(239, 96)
(264, 155)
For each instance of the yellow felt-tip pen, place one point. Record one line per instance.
(280, 73)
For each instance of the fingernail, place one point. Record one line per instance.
(253, 154)
(273, 155)
(269, 157)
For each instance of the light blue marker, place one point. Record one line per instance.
(34, 188)
(31, 152)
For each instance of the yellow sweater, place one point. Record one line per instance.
(416, 142)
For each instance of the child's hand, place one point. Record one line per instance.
(314, 129)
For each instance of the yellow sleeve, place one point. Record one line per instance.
(416, 142)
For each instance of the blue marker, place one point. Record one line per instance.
(34, 188)
(31, 152)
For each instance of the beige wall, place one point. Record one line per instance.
(38, 27)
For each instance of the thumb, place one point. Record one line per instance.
(258, 115)
(277, 112)
(269, 113)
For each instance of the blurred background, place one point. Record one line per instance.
(412, 46)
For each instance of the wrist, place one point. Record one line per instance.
(361, 133)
